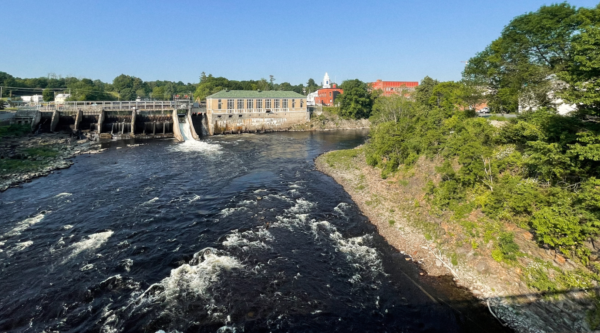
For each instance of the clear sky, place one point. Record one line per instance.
(250, 39)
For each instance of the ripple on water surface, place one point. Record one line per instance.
(231, 234)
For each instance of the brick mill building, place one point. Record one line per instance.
(326, 95)
(393, 87)
(254, 110)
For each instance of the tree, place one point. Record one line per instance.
(356, 102)
(391, 108)
(271, 80)
(285, 86)
(158, 93)
(583, 75)
(48, 95)
(519, 63)
(127, 94)
(129, 86)
(140, 93)
(424, 90)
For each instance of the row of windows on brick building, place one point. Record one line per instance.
(259, 103)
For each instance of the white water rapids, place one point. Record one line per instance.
(190, 144)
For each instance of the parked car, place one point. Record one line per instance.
(484, 110)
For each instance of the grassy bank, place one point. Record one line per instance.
(14, 131)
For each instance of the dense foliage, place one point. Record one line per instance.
(210, 85)
(540, 170)
(534, 49)
(357, 101)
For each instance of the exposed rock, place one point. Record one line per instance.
(21, 149)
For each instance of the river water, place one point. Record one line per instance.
(232, 234)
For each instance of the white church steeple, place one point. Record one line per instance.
(326, 81)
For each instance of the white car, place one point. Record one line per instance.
(484, 110)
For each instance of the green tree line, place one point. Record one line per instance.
(126, 87)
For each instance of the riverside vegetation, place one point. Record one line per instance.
(513, 206)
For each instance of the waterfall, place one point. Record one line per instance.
(185, 131)
(190, 145)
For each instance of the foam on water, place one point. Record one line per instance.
(198, 146)
(301, 206)
(278, 196)
(228, 211)
(194, 278)
(126, 264)
(150, 201)
(248, 239)
(92, 242)
(23, 225)
(19, 247)
(340, 209)
(62, 195)
(357, 252)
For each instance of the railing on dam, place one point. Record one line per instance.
(97, 106)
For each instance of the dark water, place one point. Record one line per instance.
(233, 234)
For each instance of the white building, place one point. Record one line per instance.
(310, 98)
(527, 102)
(32, 99)
(61, 98)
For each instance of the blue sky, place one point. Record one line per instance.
(250, 39)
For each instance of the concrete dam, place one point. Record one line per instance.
(162, 119)
(119, 120)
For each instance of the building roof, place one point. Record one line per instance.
(256, 94)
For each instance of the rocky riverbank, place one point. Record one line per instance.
(23, 158)
(398, 208)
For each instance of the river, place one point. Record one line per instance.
(232, 234)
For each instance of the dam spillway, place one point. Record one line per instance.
(118, 120)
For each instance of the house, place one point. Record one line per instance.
(254, 110)
(61, 98)
(35, 99)
(528, 101)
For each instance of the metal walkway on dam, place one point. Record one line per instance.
(117, 119)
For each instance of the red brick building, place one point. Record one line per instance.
(326, 96)
(393, 87)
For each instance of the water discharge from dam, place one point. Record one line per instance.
(232, 234)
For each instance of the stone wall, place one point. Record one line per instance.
(223, 123)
